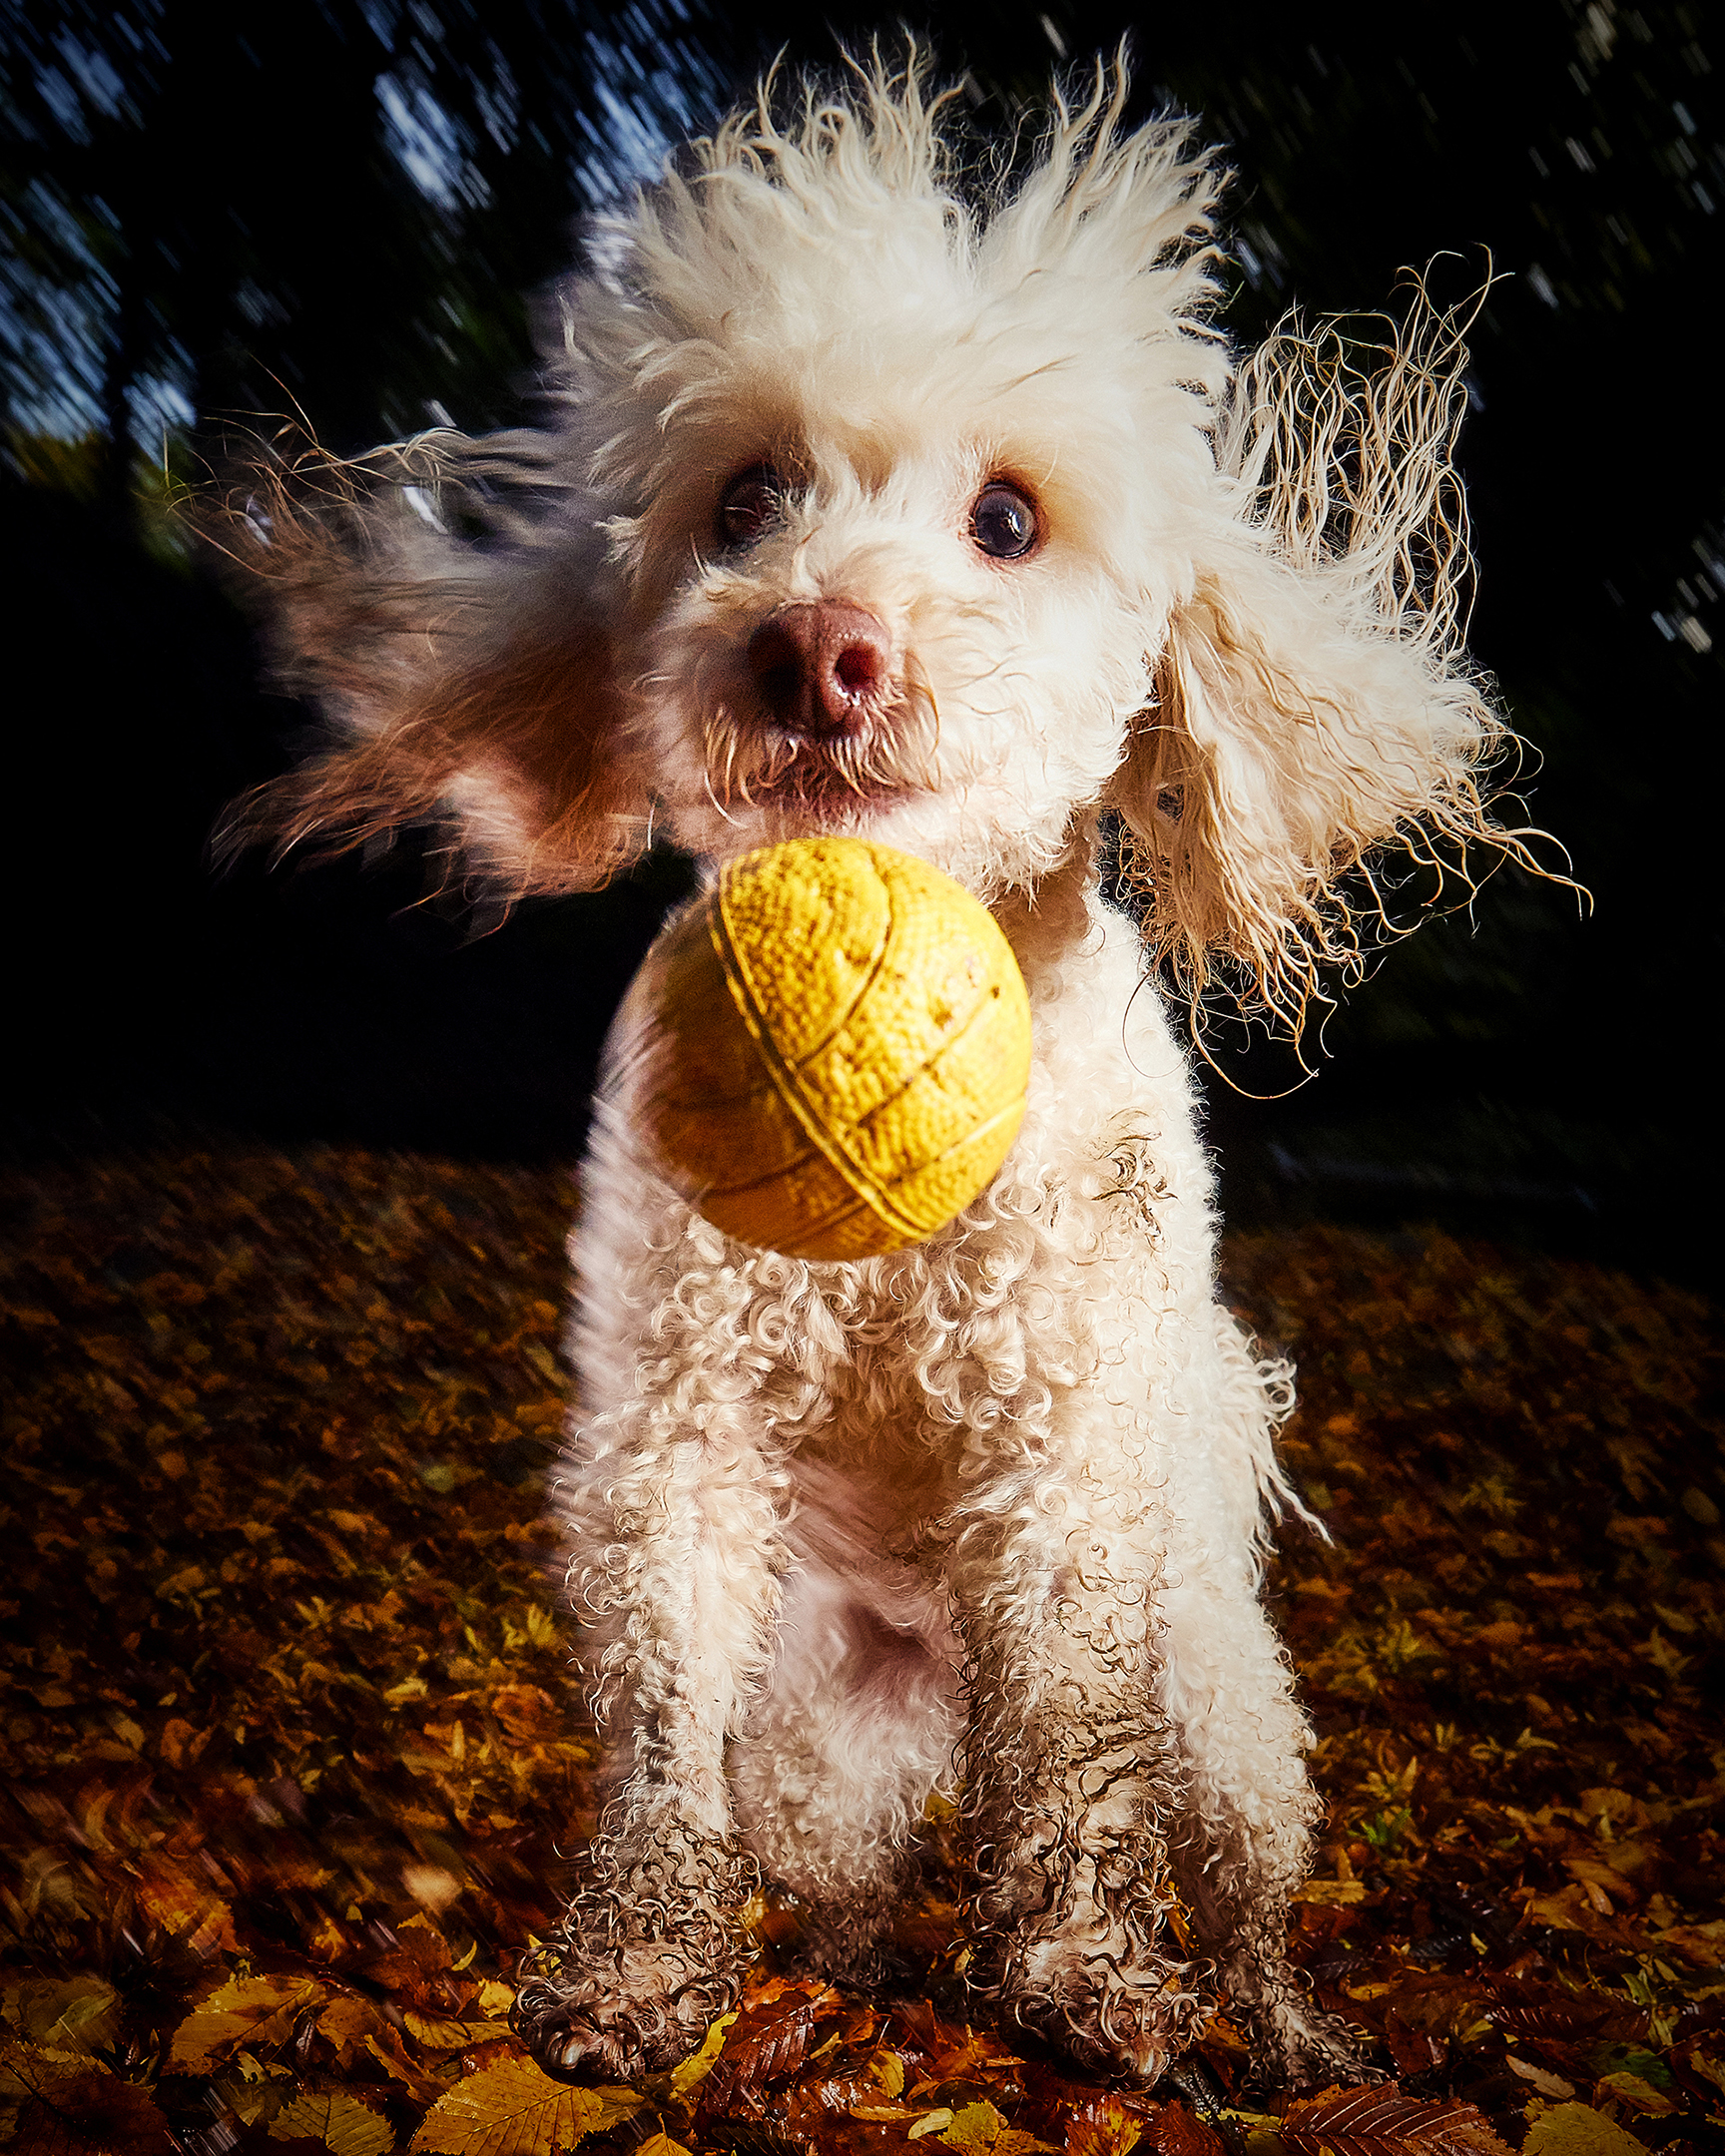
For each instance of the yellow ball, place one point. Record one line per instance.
(831, 1049)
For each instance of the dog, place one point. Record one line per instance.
(882, 496)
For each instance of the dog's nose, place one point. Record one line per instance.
(820, 668)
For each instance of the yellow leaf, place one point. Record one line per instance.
(344, 2124)
(261, 2009)
(701, 2063)
(70, 2016)
(512, 2109)
(931, 2122)
(345, 2020)
(24, 2068)
(495, 1999)
(886, 2070)
(1576, 2129)
(661, 2144)
(1331, 1893)
(439, 2035)
(1642, 2094)
(975, 2126)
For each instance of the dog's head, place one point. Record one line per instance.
(905, 494)
(940, 513)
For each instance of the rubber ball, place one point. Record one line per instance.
(829, 1049)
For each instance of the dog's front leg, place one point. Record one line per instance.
(1071, 1776)
(677, 1548)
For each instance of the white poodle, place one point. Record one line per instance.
(885, 497)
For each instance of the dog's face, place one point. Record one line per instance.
(905, 508)
(933, 514)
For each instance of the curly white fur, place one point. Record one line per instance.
(985, 1516)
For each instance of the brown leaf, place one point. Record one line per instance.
(88, 2115)
(1112, 2131)
(346, 2023)
(1564, 2017)
(768, 2041)
(80, 2014)
(1175, 2131)
(1383, 2122)
(183, 1906)
(1703, 1945)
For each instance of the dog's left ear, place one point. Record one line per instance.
(1313, 704)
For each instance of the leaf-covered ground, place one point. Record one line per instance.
(291, 1760)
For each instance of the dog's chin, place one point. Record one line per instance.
(788, 785)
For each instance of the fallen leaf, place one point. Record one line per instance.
(1547, 2084)
(1383, 2122)
(699, 2064)
(345, 2126)
(437, 2035)
(1575, 2129)
(769, 2040)
(513, 2109)
(260, 2010)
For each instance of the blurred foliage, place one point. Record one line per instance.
(291, 1766)
(338, 206)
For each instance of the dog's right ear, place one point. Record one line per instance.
(468, 682)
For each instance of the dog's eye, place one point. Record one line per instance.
(754, 500)
(1004, 522)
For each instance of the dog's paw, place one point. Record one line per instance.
(1116, 2013)
(618, 2012)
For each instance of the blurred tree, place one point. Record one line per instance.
(338, 205)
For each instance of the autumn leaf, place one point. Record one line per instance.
(1113, 2131)
(346, 2022)
(80, 2014)
(699, 2064)
(89, 2113)
(977, 2127)
(1544, 2083)
(439, 2035)
(1573, 2129)
(345, 2126)
(768, 2041)
(1383, 2122)
(260, 2010)
(1174, 2131)
(513, 2109)
(973, 2126)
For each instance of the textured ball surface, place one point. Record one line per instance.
(831, 1049)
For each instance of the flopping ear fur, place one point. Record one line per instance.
(472, 683)
(1313, 700)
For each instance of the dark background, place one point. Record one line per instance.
(210, 217)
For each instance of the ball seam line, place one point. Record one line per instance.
(876, 957)
(785, 1082)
